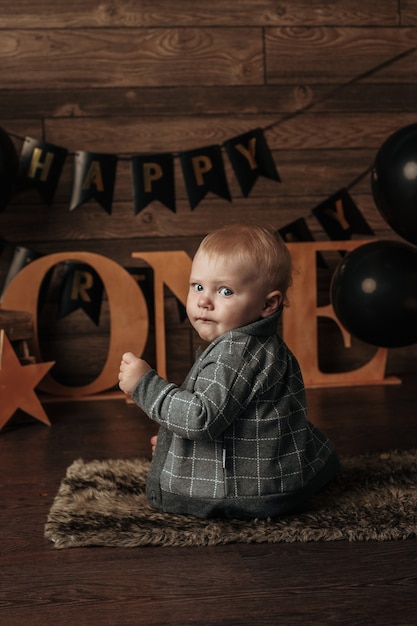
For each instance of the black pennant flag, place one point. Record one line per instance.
(153, 179)
(81, 288)
(251, 157)
(94, 178)
(296, 231)
(299, 231)
(341, 218)
(203, 171)
(40, 167)
(9, 165)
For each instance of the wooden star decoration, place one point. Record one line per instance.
(17, 384)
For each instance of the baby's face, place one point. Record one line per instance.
(222, 296)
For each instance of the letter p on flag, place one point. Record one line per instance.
(153, 179)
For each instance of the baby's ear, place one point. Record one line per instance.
(272, 303)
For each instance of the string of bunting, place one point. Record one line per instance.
(41, 164)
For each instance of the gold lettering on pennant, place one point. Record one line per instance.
(94, 177)
(81, 282)
(339, 214)
(151, 172)
(36, 164)
(201, 165)
(249, 153)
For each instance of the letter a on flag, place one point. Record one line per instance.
(94, 178)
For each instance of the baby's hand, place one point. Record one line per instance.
(131, 371)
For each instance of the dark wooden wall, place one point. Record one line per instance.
(128, 76)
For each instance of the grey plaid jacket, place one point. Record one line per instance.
(234, 438)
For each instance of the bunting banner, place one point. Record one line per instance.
(94, 178)
(296, 231)
(81, 288)
(251, 157)
(340, 217)
(153, 175)
(153, 179)
(40, 167)
(203, 171)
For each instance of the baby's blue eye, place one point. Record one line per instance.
(197, 287)
(225, 291)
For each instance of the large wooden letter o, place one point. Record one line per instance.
(129, 321)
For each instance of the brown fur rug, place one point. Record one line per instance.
(102, 503)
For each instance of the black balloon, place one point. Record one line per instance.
(374, 293)
(394, 182)
(9, 163)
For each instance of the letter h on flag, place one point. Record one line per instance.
(40, 166)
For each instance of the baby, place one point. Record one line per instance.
(234, 438)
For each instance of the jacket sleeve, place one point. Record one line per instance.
(214, 396)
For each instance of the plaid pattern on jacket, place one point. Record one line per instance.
(234, 439)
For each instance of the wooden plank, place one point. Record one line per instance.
(90, 222)
(336, 54)
(338, 131)
(159, 13)
(153, 102)
(306, 130)
(149, 102)
(375, 97)
(147, 135)
(113, 58)
(408, 12)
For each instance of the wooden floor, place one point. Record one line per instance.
(329, 583)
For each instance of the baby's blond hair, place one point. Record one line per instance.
(261, 249)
